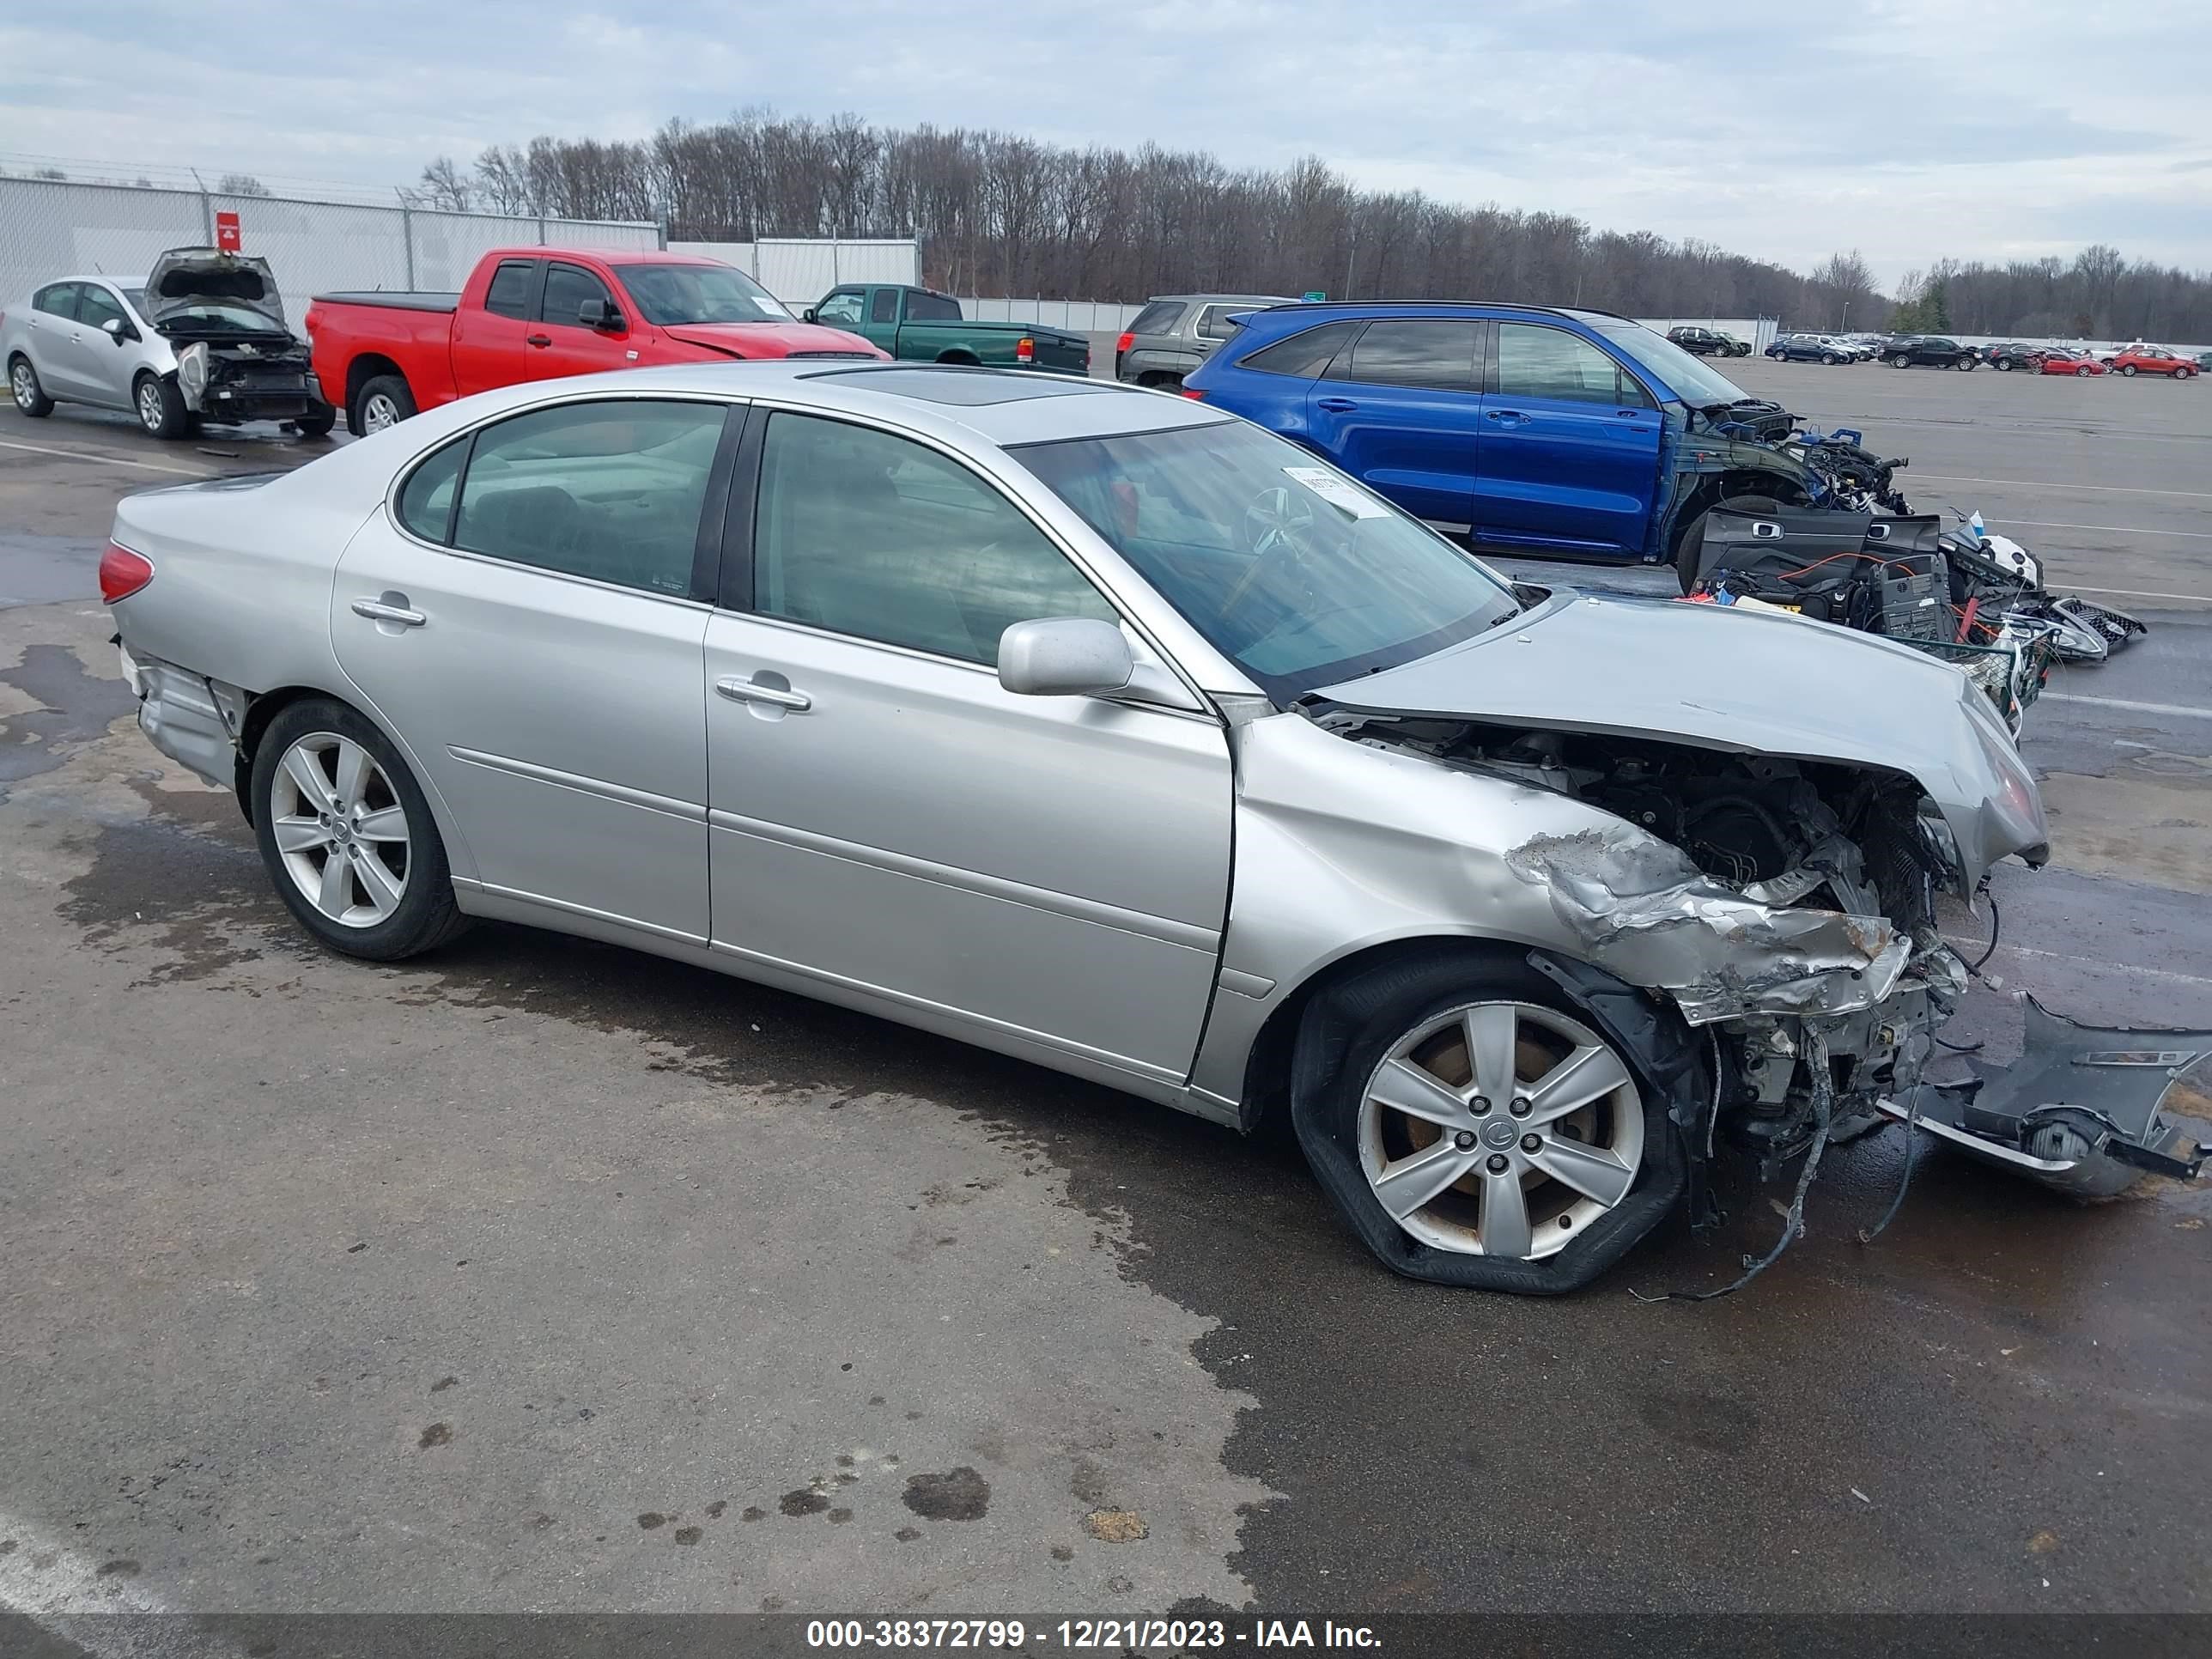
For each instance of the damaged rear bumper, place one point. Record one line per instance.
(2083, 1110)
(192, 720)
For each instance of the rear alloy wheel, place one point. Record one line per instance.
(23, 384)
(347, 835)
(383, 402)
(1475, 1130)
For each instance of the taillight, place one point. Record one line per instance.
(1025, 350)
(1126, 343)
(123, 573)
(1187, 392)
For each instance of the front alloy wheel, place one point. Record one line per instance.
(1500, 1129)
(340, 830)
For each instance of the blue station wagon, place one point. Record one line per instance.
(1574, 432)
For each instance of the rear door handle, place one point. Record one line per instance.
(537, 339)
(1336, 405)
(1504, 416)
(771, 696)
(382, 611)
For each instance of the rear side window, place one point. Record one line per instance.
(57, 299)
(1158, 318)
(509, 293)
(568, 289)
(931, 308)
(612, 490)
(426, 500)
(882, 305)
(1437, 355)
(1305, 354)
(1533, 362)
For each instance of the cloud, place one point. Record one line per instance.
(1926, 127)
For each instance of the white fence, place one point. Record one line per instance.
(50, 228)
(798, 272)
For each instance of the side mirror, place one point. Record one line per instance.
(117, 330)
(1064, 657)
(809, 316)
(602, 314)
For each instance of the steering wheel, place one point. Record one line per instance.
(1274, 523)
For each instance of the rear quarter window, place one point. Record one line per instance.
(1306, 355)
(1158, 318)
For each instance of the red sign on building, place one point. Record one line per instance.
(225, 232)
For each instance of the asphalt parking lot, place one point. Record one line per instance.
(540, 1274)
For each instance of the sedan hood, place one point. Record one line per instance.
(1727, 677)
(188, 275)
(771, 339)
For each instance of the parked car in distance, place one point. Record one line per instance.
(202, 339)
(1525, 427)
(2154, 360)
(1928, 351)
(920, 325)
(1102, 730)
(1700, 341)
(1812, 349)
(2057, 360)
(541, 313)
(1177, 332)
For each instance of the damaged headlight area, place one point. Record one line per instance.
(243, 380)
(1772, 900)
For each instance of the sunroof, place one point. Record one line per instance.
(967, 387)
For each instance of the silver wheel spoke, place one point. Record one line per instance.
(335, 896)
(1505, 1229)
(379, 883)
(1594, 1173)
(299, 835)
(1409, 1183)
(306, 774)
(386, 823)
(1490, 1030)
(1405, 1087)
(353, 766)
(1589, 1073)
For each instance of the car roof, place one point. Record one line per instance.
(1267, 299)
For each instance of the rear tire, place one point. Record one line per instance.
(161, 407)
(1494, 1227)
(24, 385)
(329, 788)
(381, 405)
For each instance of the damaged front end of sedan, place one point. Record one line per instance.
(236, 357)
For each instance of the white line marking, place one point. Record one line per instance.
(2181, 710)
(1976, 946)
(2114, 529)
(2102, 489)
(110, 460)
(49, 1582)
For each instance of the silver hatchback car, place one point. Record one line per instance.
(1101, 729)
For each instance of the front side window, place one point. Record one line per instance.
(96, 306)
(612, 490)
(1305, 353)
(1534, 362)
(841, 310)
(57, 299)
(568, 289)
(509, 293)
(1297, 573)
(1438, 355)
(865, 533)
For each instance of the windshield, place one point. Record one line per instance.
(670, 295)
(1298, 574)
(1691, 379)
(220, 316)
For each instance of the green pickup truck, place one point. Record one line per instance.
(924, 326)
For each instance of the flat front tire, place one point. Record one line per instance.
(347, 837)
(1476, 1129)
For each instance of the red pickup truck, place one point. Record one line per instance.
(538, 313)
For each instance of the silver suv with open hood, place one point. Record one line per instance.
(203, 338)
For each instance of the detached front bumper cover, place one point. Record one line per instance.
(2083, 1110)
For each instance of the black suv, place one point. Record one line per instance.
(1927, 351)
(1708, 341)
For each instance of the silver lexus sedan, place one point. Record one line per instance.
(1098, 728)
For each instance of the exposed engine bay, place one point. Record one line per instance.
(237, 360)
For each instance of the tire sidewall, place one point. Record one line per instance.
(424, 911)
(1375, 1010)
(39, 404)
(403, 402)
(175, 419)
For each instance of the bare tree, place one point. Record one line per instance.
(239, 184)
(443, 185)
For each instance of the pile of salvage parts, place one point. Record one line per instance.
(2084, 1110)
(1858, 557)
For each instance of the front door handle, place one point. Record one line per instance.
(1337, 406)
(1504, 416)
(769, 696)
(384, 610)
(537, 339)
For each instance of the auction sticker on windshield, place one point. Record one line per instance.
(1338, 493)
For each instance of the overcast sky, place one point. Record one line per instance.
(1908, 129)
